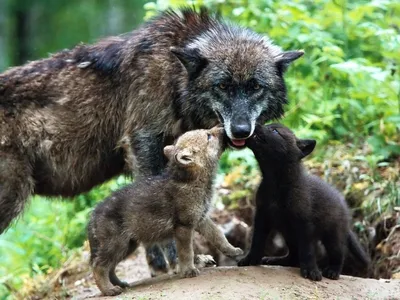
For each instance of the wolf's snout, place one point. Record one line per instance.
(241, 131)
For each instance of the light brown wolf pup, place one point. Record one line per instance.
(157, 209)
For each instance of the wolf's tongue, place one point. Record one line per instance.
(238, 143)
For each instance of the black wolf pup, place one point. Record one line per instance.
(156, 209)
(302, 207)
(82, 116)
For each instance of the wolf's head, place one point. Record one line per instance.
(237, 75)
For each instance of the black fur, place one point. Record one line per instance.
(302, 207)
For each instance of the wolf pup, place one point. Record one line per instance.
(302, 207)
(85, 115)
(158, 208)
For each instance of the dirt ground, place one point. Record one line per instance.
(264, 282)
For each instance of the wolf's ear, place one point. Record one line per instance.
(185, 158)
(169, 151)
(283, 59)
(191, 59)
(306, 147)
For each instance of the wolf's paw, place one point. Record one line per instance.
(191, 273)
(115, 290)
(311, 273)
(202, 260)
(331, 273)
(248, 261)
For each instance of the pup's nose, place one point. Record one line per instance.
(241, 131)
(216, 130)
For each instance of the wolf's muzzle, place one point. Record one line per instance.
(241, 130)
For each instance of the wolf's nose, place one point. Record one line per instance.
(241, 131)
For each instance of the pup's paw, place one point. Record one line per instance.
(202, 260)
(191, 273)
(115, 290)
(248, 261)
(331, 273)
(233, 252)
(311, 273)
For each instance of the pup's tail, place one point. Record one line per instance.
(357, 250)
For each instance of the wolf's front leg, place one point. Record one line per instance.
(144, 154)
(184, 244)
(214, 235)
(147, 147)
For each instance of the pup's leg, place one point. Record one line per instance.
(107, 249)
(113, 277)
(214, 235)
(335, 249)
(261, 230)
(115, 280)
(16, 184)
(184, 244)
(306, 245)
(101, 276)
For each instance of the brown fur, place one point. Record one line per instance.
(158, 208)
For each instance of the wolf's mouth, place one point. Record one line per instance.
(238, 143)
(234, 143)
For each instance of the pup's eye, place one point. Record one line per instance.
(208, 136)
(222, 86)
(275, 131)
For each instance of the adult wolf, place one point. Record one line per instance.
(83, 116)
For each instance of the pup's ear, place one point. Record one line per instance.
(185, 158)
(191, 59)
(306, 147)
(283, 59)
(169, 151)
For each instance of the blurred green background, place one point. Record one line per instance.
(345, 92)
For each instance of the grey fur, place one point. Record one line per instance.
(157, 208)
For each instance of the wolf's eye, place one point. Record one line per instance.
(256, 86)
(222, 86)
(208, 136)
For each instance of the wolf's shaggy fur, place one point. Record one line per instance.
(83, 116)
